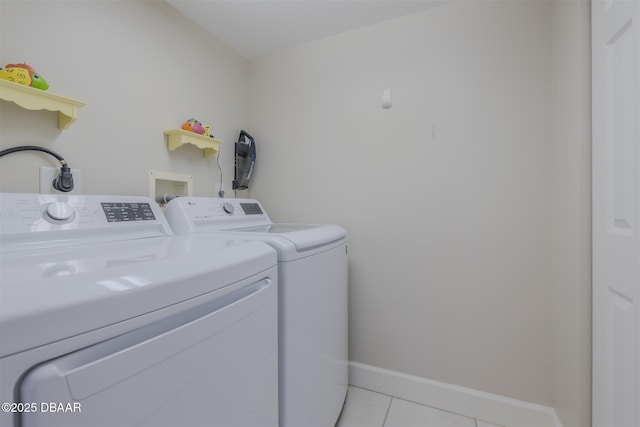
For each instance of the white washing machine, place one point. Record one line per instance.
(108, 320)
(312, 272)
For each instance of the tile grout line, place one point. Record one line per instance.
(386, 415)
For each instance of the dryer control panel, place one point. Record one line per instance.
(190, 214)
(24, 217)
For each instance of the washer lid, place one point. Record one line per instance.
(49, 295)
(282, 228)
(304, 237)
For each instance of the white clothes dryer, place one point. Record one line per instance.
(312, 274)
(106, 319)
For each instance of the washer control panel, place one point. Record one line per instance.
(119, 212)
(109, 216)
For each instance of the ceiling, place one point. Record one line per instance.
(257, 27)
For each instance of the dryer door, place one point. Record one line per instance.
(214, 365)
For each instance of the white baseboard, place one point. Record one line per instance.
(492, 408)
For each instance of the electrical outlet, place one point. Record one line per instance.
(47, 175)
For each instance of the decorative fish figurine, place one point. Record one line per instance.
(23, 74)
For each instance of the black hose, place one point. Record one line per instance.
(64, 181)
(32, 148)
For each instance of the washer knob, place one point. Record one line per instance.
(60, 211)
(228, 207)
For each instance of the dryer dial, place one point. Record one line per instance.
(228, 208)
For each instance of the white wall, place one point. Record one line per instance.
(142, 68)
(571, 211)
(446, 196)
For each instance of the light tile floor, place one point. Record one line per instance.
(364, 408)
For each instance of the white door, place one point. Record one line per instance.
(616, 212)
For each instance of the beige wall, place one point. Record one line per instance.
(467, 202)
(571, 211)
(446, 195)
(142, 68)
